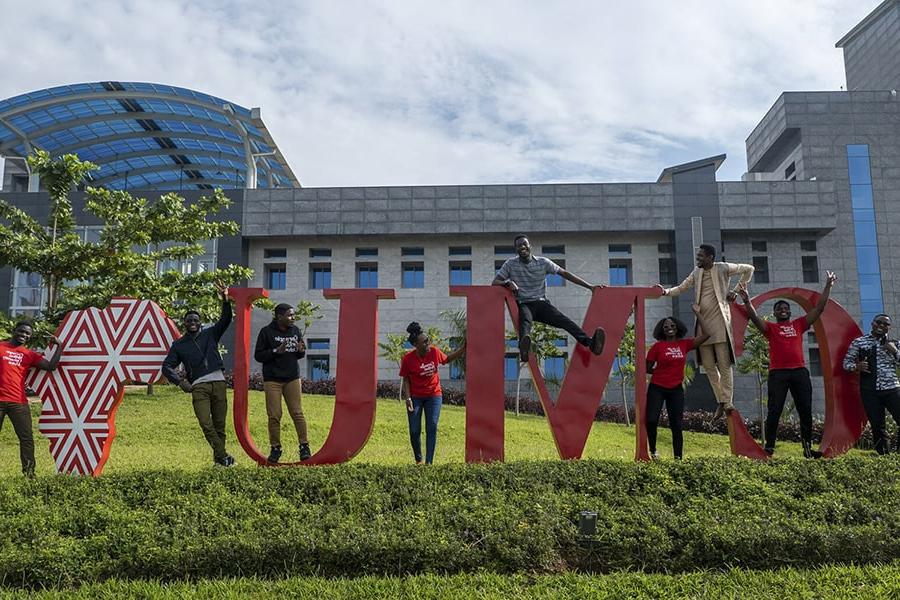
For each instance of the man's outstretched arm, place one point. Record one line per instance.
(813, 315)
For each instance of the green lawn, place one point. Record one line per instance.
(160, 431)
(841, 582)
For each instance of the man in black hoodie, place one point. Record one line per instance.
(198, 351)
(279, 346)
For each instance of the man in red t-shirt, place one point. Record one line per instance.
(787, 367)
(15, 360)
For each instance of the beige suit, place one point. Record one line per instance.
(717, 358)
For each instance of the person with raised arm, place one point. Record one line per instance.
(15, 361)
(711, 281)
(787, 365)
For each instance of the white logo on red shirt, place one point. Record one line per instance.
(13, 358)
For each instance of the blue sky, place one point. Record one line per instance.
(457, 92)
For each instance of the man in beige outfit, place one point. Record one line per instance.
(710, 281)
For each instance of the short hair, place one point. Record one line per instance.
(24, 322)
(882, 315)
(519, 237)
(282, 309)
(709, 250)
(414, 330)
(193, 312)
(777, 302)
(680, 328)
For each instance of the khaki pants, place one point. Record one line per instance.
(20, 416)
(211, 408)
(716, 361)
(291, 392)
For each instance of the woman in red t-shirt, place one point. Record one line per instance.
(666, 360)
(421, 389)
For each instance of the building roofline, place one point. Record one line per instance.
(866, 22)
(668, 172)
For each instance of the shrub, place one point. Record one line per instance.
(504, 518)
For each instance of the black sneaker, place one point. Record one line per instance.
(227, 461)
(274, 454)
(598, 340)
(524, 348)
(304, 452)
(769, 451)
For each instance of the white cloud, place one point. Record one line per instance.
(391, 93)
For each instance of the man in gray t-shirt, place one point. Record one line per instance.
(525, 275)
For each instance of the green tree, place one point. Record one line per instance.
(755, 361)
(625, 364)
(457, 320)
(307, 313)
(138, 238)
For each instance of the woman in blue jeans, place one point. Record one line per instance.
(422, 389)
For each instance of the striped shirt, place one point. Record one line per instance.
(882, 374)
(531, 276)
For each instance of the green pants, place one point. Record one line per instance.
(20, 415)
(211, 408)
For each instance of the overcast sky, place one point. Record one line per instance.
(451, 92)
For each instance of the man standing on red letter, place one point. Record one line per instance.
(710, 281)
(15, 360)
(526, 277)
(787, 367)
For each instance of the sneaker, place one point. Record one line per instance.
(654, 455)
(769, 451)
(274, 454)
(304, 452)
(228, 461)
(598, 341)
(720, 410)
(524, 348)
(808, 452)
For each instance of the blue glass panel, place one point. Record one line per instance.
(510, 368)
(413, 276)
(863, 215)
(321, 278)
(277, 279)
(865, 232)
(618, 276)
(367, 277)
(555, 280)
(867, 260)
(858, 150)
(512, 343)
(861, 196)
(318, 344)
(554, 367)
(560, 342)
(318, 368)
(460, 275)
(858, 167)
(870, 287)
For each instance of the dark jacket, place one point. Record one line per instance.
(279, 367)
(199, 354)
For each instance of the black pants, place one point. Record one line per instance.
(674, 399)
(544, 312)
(20, 415)
(875, 403)
(798, 383)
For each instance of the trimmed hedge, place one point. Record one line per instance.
(355, 520)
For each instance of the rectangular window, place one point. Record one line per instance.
(504, 250)
(664, 248)
(275, 253)
(619, 272)
(413, 275)
(790, 173)
(498, 263)
(460, 250)
(808, 245)
(810, 269)
(455, 372)
(619, 249)
(511, 367)
(319, 276)
(868, 261)
(761, 272)
(555, 367)
(412, 251)
(556, 249)
(318, 344)
(759, 246)
(366, 275)
(276, 277)
(461, 273)
(320, 252)
(367, 252)
(318, 367)
(667, 271)
(554, 280)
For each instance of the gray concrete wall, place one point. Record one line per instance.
(872, 58)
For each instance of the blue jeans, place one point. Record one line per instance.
(432, 407)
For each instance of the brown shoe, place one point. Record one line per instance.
(720, 410)
(598, 341)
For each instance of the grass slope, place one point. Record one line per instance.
(160, 431)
